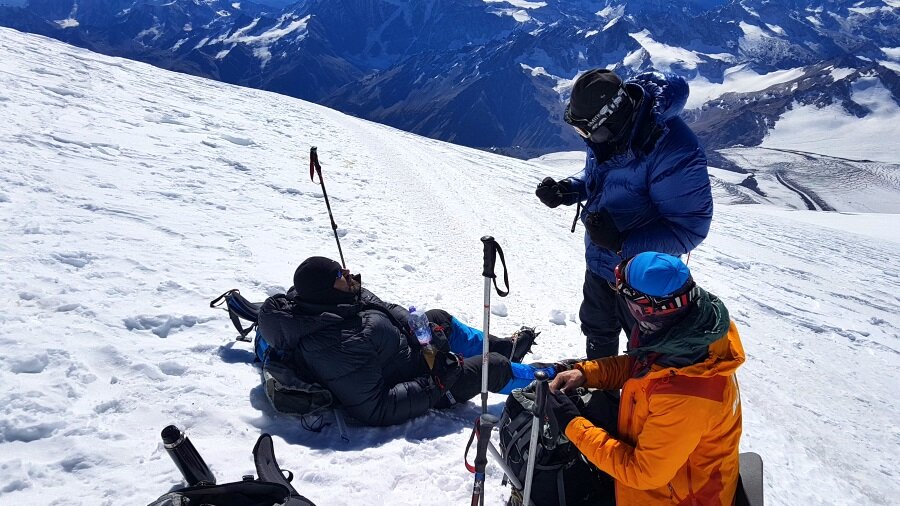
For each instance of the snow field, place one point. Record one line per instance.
(133, 196)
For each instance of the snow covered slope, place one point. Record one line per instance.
(131, 196)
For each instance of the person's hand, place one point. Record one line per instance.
(553, 193)
(561, 410)
(603, 232)
(439, 338)
(447, 369)
(567, 381)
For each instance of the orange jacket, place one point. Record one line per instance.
(679, 429)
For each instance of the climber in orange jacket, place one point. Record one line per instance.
(679, 418)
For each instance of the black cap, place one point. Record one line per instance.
(315, 277)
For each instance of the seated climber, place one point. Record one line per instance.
(675, 439)
(361, 348)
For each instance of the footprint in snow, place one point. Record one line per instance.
(29, 365)
(162, 325)
(76, 259)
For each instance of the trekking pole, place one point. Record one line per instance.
(491, 250)
(485, 423)
(315, 168)
(540, 397)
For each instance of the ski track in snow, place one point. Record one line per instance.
(133, 196)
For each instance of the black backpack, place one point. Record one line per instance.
(561, 475)
(270, 488)
(287, 388)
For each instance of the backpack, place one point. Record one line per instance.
(271, 488)
(287, 388)
(561, 475)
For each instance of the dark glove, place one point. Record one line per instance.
(603, 232)
(447, 369)
(439, 338)
(553, 193)
(561, 411)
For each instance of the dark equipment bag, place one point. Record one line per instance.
(561, 475)
(287, 389)
(271, 488)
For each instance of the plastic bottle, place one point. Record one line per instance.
(418, 323)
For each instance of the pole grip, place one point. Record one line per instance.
(486, 423)
(490, 256)
(540, 393)
(314, 164)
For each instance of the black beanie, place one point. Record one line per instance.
(593, 90)
(315, 277)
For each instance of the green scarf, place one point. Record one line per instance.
(688, 340)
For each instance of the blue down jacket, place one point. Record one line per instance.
(658, 193)
(357, 351)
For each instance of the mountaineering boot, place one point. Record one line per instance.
(522, 340)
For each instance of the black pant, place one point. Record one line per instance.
(469, 383)
(603, 315)
(603, 411)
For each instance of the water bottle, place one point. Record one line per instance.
(186, 457)
(418, 323)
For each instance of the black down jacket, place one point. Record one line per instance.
(357, 351)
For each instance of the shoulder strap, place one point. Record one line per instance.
(267, 469)
(239, 308)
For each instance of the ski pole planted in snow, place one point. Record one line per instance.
(485, 423)
(491, 250)
(540, 397)
(316, 169)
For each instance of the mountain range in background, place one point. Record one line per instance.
(495, 74)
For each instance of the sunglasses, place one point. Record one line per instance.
(598, 136)
(643, 306)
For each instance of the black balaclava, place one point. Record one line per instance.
(591, 92)
(314, 282)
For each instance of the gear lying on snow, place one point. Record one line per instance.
(271, 488)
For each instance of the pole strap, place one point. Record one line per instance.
(470, 467)
(491, 251)
(578, 209)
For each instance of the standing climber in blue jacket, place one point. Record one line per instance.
(644, 187)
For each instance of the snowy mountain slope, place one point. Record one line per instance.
(132, 196)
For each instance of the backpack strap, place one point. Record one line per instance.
(268, 471)
(239, 308)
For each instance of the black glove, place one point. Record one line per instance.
(439, 338)
(603, 232)
(447, 369)
(553, 193)
(561, 411)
